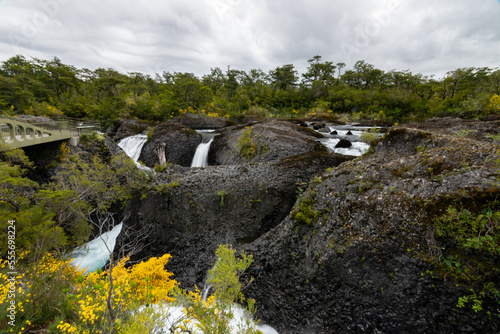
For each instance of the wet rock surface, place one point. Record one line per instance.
(343, 143)
(264, 141)
(129, 127)
(178, 143)
(198, 122)
(192, 211)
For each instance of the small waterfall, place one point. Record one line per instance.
(206, 290)
(94, 254)
(132, 145)
(201, 155)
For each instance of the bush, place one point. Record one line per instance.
(370, 136)
(55, 296)
(474, 236)
(247, 147)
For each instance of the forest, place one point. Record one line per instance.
(49, 87)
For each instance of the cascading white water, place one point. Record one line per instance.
(171, 314)
(201, 154)
(132, 145)
(349, 132)
(94, 254)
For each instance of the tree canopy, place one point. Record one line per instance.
(49, 87)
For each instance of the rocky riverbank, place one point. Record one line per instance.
(341, 245)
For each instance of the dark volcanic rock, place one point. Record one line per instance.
(272, 140)
(192, 211)
(343, 143)
(179, 141)
(458, 126)
(130, 127)
(202, 122)
(317, 126)
(363, 262)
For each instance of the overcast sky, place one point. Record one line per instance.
(424, 36)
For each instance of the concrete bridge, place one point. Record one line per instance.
(18, 133)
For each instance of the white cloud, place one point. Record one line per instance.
(193, 36)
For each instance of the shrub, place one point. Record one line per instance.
(475, 235)
(370, 136)
(247, 147)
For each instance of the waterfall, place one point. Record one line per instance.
(94, 254)
(132, 146)
(201, 155)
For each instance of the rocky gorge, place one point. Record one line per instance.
(341, 244)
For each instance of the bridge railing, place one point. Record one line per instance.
(59, 123)
(25, 131)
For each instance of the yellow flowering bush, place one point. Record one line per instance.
(54, 296)
(38, 296)
(151, 281)
(209, 111)
(142, 284)
(54, 289)
(495, 102)
(43, 109)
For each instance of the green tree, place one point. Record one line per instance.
(284, 77)
(319, 77)
(190, 91)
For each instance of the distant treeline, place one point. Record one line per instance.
(49, 87)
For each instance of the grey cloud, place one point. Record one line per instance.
(193, 36)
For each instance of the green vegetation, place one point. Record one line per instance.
(246, 145)
(370, 136)
(464, 133)
(150, 132)
(55, 215)
(475, 232)
(221, 194)
(49, 87)
(59, 298)
(495, 138)
(167, 187)
(215, 314)
(304, 213)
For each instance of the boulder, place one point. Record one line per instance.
(265, 141)
(130, 127)
(317, 126)
(343, 143)
(199, 122)
(171, 142)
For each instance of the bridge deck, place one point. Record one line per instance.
(17, 133)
